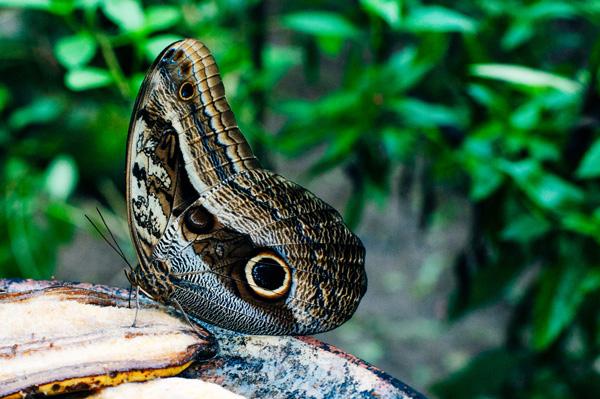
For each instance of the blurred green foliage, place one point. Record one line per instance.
(499, 99)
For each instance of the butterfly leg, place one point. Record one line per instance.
(196, 330)
(129, 298)
(137, 305)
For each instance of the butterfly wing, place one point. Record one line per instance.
(211, 143)
(273, 218)
(152, 167)
(233, 244)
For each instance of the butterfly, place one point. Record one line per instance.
(218, 236)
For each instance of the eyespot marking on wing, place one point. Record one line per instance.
(186, 91)
(268, 276)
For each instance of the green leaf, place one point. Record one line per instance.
(398, 143)
(55, 6)
(320, 23)
(485, 96)
(61, 177)
(296, 110)
(485, 179)
(277, 61)
(527, 116)
(61, 220)
(126, 14)
(88, 78)
(39, 4)
(417, 113)
(41, 110)
(590, 164)
(519, 33)
(330, 45)
(546, 189)
(75, 51)
(388, 10)
(561, 292)
(340, 148)
(439, 19)
(525, 228)
(277, 55)
(15, 169)
(543, 150)
(525, 76)
(406, 68)
(582, 223)
(155, 45)
(160, 17)
(480, 145)
(551, 10)
(339, 103)
(554, 192)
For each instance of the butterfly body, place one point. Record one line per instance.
(228, 241)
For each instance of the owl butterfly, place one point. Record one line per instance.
(223, 239)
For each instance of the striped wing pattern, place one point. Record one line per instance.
(216, 234)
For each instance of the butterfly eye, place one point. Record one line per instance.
(198, 220)
(268, 276)
(186, 91)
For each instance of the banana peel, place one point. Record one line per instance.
(66, 338)
(252, 366)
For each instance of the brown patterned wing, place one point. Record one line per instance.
(212, 146)
(181, 129)
(276, 225)
(226, 240)
(152, 168)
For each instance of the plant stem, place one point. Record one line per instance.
(113, 64)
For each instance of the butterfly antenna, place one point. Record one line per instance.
(112, 236)
(116, 248)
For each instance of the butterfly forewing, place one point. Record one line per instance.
(212, 145)
(232, 243)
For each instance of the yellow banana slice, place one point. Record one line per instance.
(65, 339)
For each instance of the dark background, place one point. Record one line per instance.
(459, 138)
